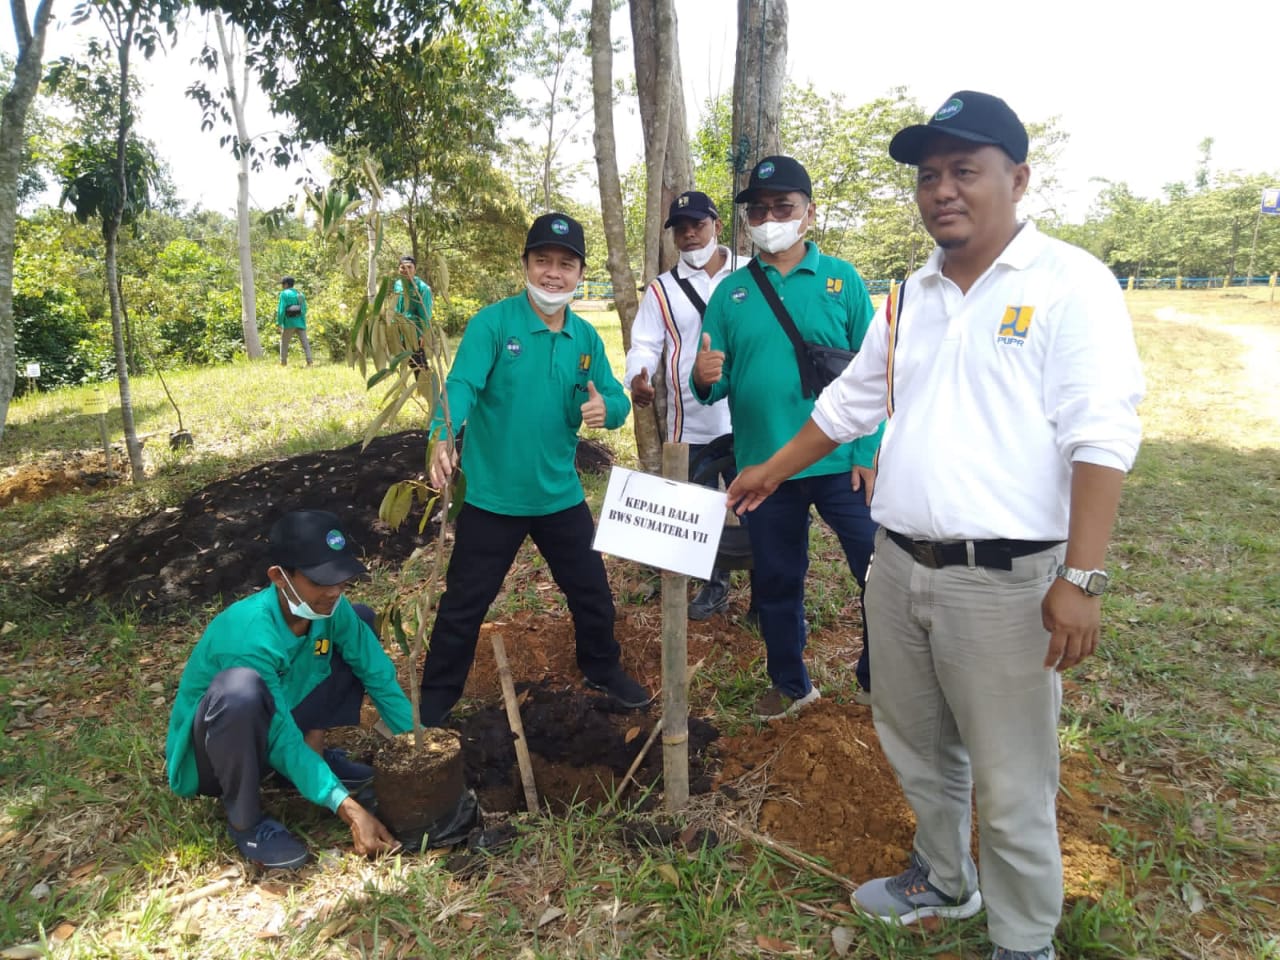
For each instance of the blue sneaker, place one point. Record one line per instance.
(910, 896)
(354, 776)
(271, 845)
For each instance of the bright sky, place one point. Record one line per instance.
(1137, 84)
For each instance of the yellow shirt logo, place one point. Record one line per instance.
(834, 285)
(1015, 325)
(322, 647)
(584, 361)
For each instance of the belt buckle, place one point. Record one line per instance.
(926, 553)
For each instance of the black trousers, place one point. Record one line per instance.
(484, 547)
(229, 732)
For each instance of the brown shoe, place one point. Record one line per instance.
(775, 704)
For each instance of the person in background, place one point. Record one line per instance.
(413, 296)
(1008, 367)
(268, 677)
(291, 318)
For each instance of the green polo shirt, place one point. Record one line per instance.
(419, 313)
(519, 389)
(253, 633)
(828, 303)
(287, 298)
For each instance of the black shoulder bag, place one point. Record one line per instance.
(689, 292)
(819, 364)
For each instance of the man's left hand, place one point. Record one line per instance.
(1072, 618)
(864, 479)
(593, 409)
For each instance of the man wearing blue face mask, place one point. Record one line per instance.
(269, 676)
(758, 327)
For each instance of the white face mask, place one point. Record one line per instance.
(301, 608)
(774, 237)
(701, 257)
(548, 302)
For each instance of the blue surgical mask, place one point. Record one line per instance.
(300, 608)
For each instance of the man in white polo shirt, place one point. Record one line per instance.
(670, 320)
(1008, 369)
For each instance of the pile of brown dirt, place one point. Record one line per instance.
(215, 544)
(78, 471)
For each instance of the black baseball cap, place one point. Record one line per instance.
(784, 174)
(557, 230)
(691, 205)
(312, 541)
(967, 115)
(408, 258)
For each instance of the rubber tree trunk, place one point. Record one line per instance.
(759, 75)
(13, 136)
(248, 292)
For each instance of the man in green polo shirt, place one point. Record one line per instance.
(527, 375)
(413, 296)
(291, 318)
(270, 674)
(747, 356)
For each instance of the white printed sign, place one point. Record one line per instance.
(33, 370)
(666, 524)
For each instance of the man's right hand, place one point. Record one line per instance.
(443, 463)
(369, 836)
(708, 366)
(641, 389)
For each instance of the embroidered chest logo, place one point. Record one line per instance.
(584, 361)
(738, 295)
(513, 346)
(834, 286)
(322, 647)
(1015, 326)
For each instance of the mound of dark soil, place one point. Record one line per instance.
(215, 544)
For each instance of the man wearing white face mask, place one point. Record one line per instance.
(270, 674)
(758, 325)
(528, 373)
(669, 320)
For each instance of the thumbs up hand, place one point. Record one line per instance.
(593, 409)
(641, 388)
(708, 366)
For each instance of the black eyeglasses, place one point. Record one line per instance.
(759, 212)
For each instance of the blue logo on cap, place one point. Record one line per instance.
(513, 346)
(949, 109)
(559, 227)
(335, 539)
(765, 170)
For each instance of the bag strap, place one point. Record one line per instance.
(698, 303)
(808, 376)
(893, 316)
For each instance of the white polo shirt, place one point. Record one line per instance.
(667, 318)
(995, 393)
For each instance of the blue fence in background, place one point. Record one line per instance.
(600, 290)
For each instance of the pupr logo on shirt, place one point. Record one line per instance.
(834, 286)
(584, 362)
(322, 646)
(1015, 326)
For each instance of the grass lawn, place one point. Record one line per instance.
(1177, 713)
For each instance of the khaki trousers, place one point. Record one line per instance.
(962, 702)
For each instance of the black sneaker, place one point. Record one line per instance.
(713, 598)
(622, 689)
(271, 845)
(354, 776)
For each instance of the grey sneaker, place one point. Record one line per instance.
(1044, 953)
(775, 704)
(910, 896)
(713, 598)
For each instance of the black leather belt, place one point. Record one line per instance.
(995, 554)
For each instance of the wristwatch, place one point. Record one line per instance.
(1092, 582)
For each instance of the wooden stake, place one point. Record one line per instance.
(675, 659)
(513, 718)
(657, 728)
(792, 855)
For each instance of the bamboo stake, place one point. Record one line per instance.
(653, 735)
(675, 659)
(513, 718)
(792, 855)
(186, 899)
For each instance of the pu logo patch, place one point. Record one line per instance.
(513, 346)
(335, 539)
(559, 227)
(765, 170)
(834, 285)
(584, 361)
(322, 647)
(1015, 326)
(738, 295)
(949, 109)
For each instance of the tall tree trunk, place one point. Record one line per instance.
(648, 439)
(13, 137)
(111, 234)
(758, 78)
(248, 291)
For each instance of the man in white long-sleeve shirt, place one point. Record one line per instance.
(670, 319)
(1008, 370)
